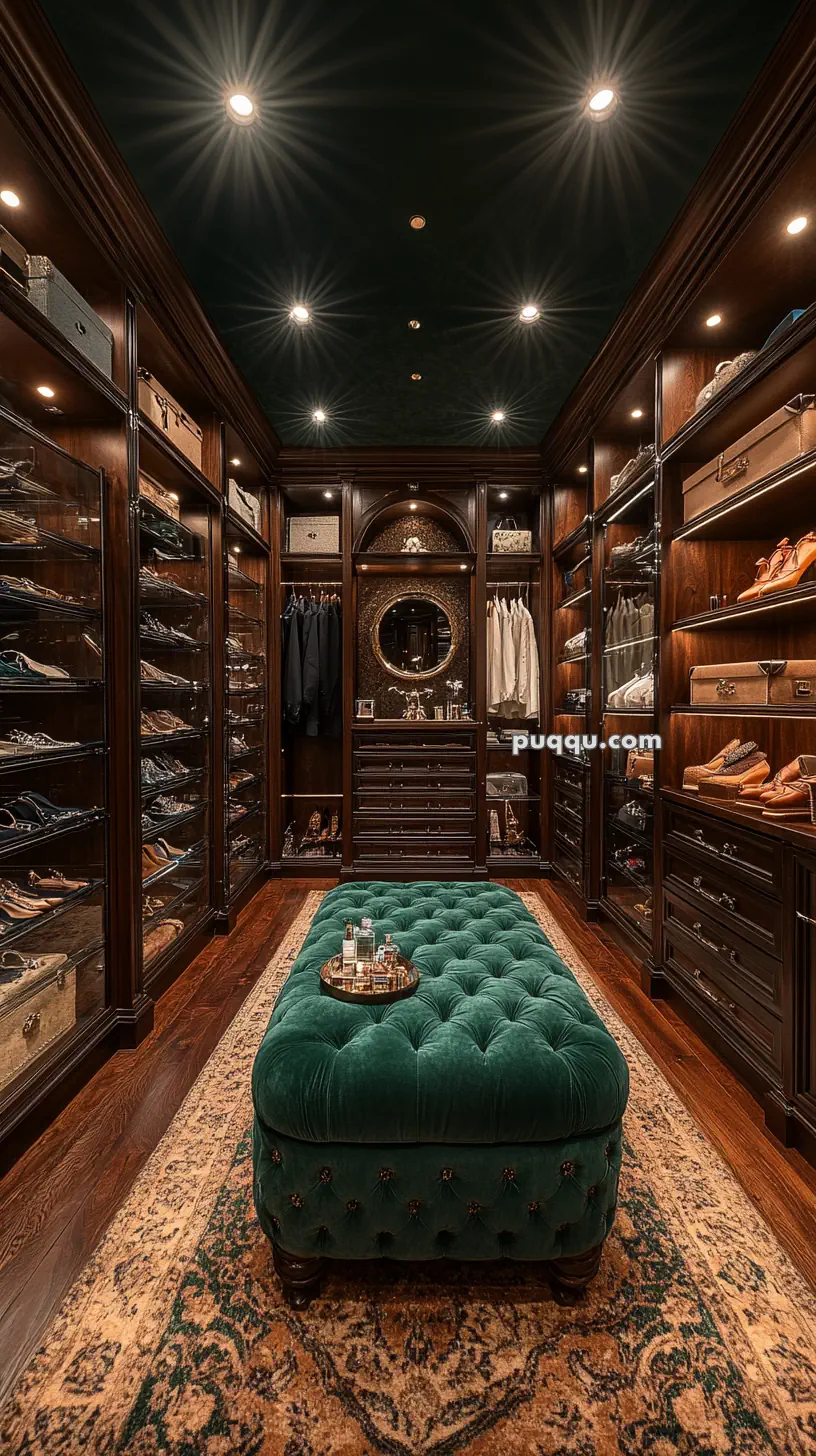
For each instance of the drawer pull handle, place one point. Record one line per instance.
(699, 836)
(728, 901)
(718, 1001)
(711, 944)
(808, 919)
(730, 850)
(31, 1024)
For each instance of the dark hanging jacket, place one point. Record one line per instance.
(331, 677)
(292, 668)
(311, 669)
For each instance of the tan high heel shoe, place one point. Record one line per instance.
(799, 561)
(767, 567)
(693, 773)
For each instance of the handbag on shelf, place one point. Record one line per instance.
(244, 504)
(638, 465)
(772, 683)
(313, 535)
(158, 495)
(507, 538)
(166, 413)
(506, 786)
(723, 374)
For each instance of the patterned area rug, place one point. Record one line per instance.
(698, 1335)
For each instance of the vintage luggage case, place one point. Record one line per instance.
(244, 504)
(158, 495)
(165, 412)
(778, 440)
(54, 296)
(37, 1005)
(315, 535)
(508, 538)
(13, 259)
(775, 683)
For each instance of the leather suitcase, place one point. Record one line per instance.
(36, 1008)
(778, 440)
(167, 414)
(158, 495)
(772, 683)
(315, 535)
(67, 310)
(13, 259)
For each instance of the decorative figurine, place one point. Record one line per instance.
(414, 547)
(413, 710)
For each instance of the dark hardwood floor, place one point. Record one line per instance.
(57, 1200)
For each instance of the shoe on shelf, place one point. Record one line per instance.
(17, 665)
(746, 765)
(767, 569)
(55, 883)
(754, 796)
(694, 773)
(797, 564)
(791, 801)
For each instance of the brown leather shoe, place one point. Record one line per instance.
(791, 802)
(695, 772)
(768, 567)
(747, 765)
(755, 796)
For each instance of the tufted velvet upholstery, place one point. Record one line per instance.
(480, 1117)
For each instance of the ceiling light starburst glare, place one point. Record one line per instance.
(529, 313)
(299, 314)
(497, 416)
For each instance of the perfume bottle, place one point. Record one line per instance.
(365, 940)
(389, 951)
(349, 947)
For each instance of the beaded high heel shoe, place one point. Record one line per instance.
(767, 568)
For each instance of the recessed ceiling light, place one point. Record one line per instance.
(319, 416)
(601, 103)
(529, 313)
(364, 567)
(497, 416)
(300, 314)
(413, 323)
(413, 506)
(45, 391)
(235, 460)
(463, 566)
(237, 550)
(637, 414)
(582, 469)
(172, 495)
(797, 224)
(328, 495)
(713, 319)
(10, 198)
(240, 108)
(417, 221)
(503, 495)
(416, 376)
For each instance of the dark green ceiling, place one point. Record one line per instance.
(467, 111)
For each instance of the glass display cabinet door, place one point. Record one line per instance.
(628, 686)
(175, 720)
(53, 747)
(245, 732)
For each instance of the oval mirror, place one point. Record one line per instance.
(413, 637)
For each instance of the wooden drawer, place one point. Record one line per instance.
(414, 800)
(570, 809)
(384, 760)
(759, 974)
(567, 865)
(569, 836)
(569, 776)
(753, 857)
(406, 855)
(731, 902)
(755, 1030)
(416, 827)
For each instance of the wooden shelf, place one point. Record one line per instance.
(783, 499)
(794, 831)
(776, 609)
(742, 710)
(576, 537)
(426, 564)
(159, 457)
(236, 526)
(35, 352)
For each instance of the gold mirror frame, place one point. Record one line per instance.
(418, 596)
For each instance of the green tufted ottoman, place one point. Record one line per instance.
(479, 1119)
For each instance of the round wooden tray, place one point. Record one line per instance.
(368, 998)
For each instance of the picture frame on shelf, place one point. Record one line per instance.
(364, 708)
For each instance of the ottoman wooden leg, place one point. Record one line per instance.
(572, 1274)
(300, 1277)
